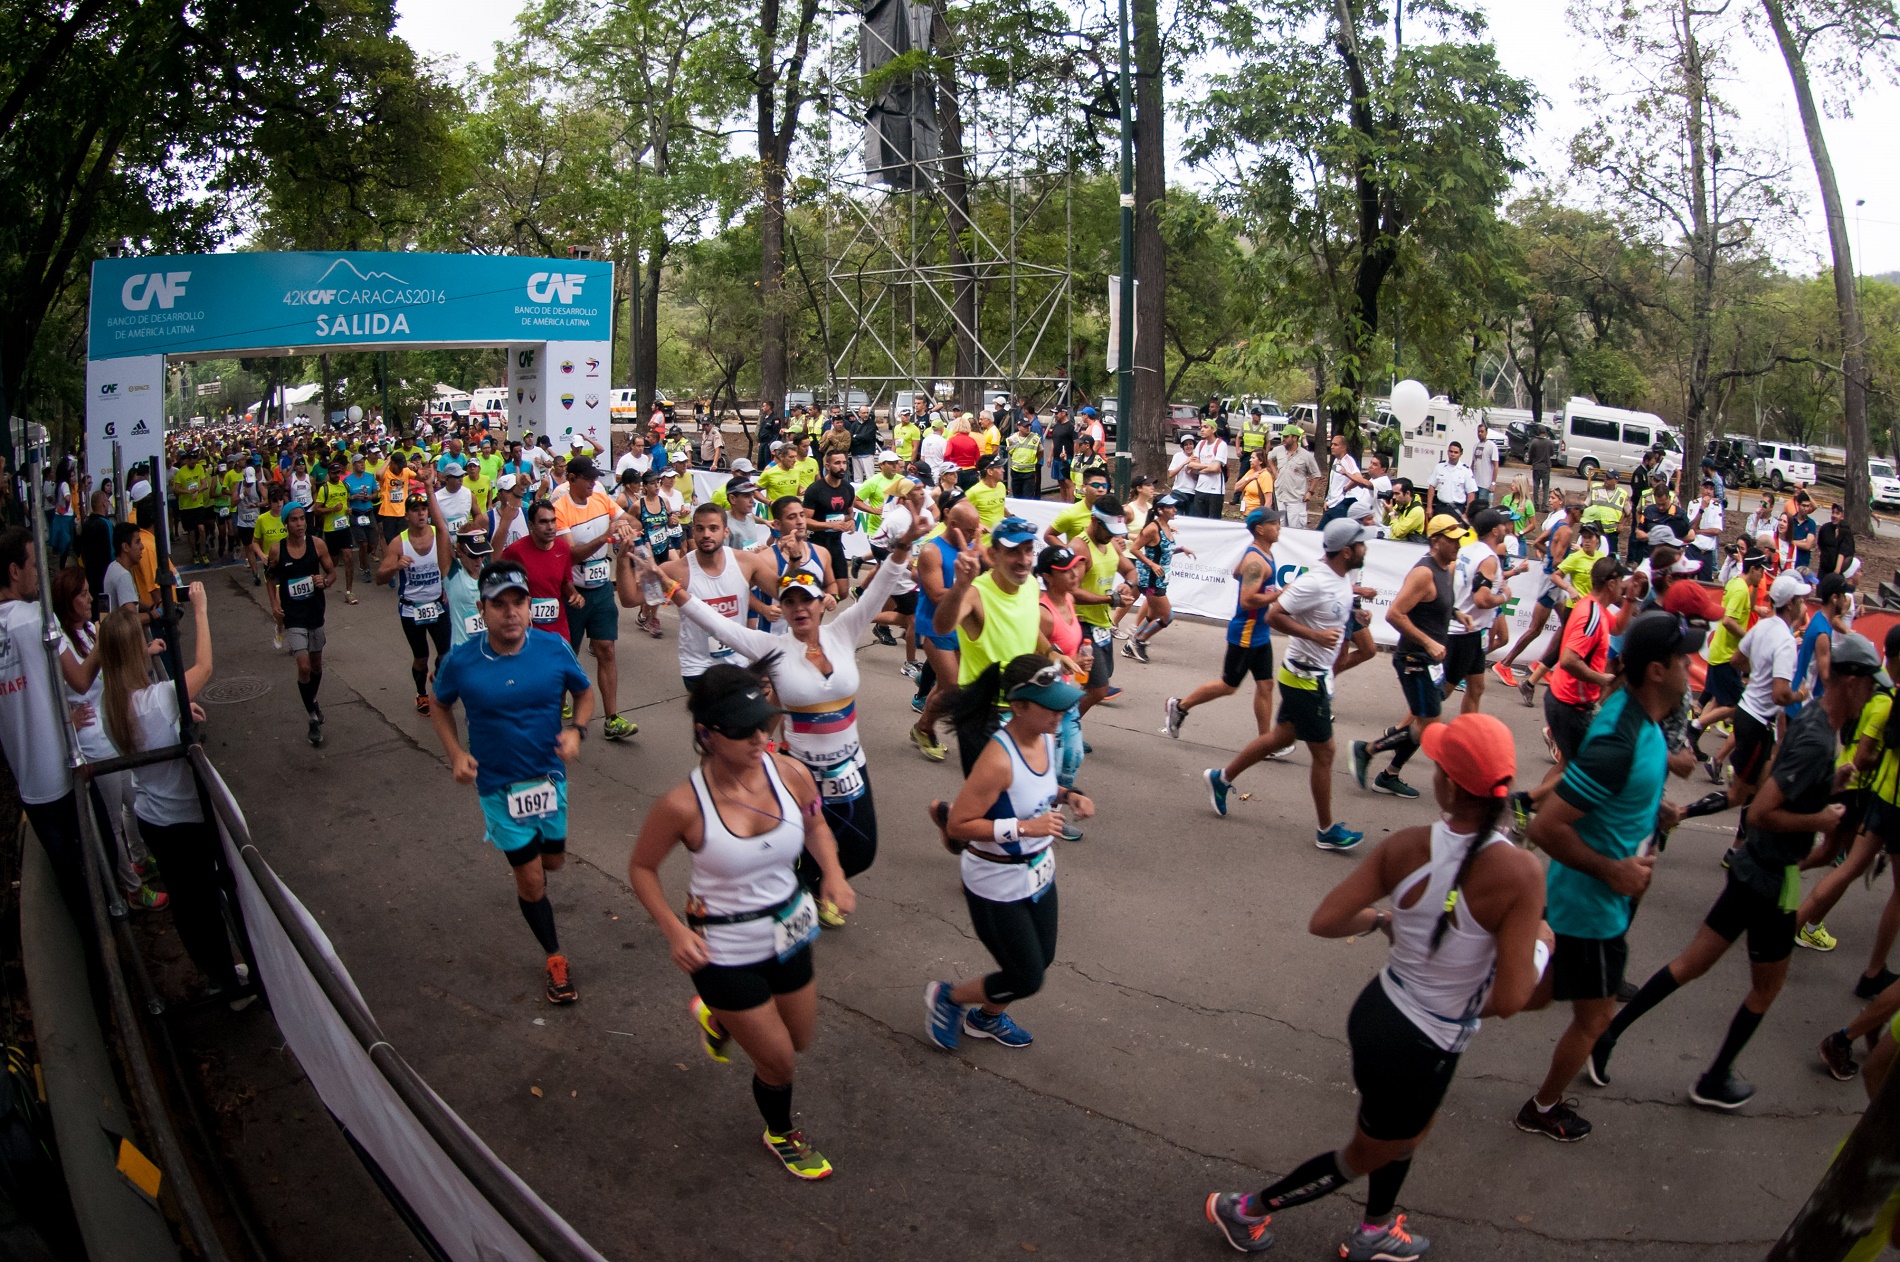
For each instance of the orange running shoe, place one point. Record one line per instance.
(560, 988)
(1505, 673)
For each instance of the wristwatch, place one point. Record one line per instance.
(580, 733)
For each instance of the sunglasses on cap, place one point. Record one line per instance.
(1050, 674)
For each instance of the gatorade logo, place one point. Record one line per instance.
(112, 429)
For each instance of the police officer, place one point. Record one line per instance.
(1025, 461)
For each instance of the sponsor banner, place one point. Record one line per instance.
(527, 391)
(125, 404)
(1201, 581)
(576, 395)
(312, 302)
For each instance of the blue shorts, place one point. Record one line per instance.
(597, 619)
(948, 643)
(1551, 597)
(1422, 697)
(507, 833)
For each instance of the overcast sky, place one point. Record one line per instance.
(1534, 42)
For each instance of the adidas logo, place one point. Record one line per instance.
(140, 428)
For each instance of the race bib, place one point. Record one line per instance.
(845, 783)
(340, 522)
(423, 613)
(362, 519)
(597, 570)
(473, 625)
(1437, 673)
(1042, 870)
(224, 512)
(301, 588)
(535, 799)
(544, 609)
(796, 927)
(191, 486)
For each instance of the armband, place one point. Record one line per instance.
(1004, 830)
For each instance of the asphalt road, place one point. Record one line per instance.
(1190, 1037)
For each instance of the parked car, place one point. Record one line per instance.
(1599, 437)
(1517, 441)
(1884, 484)
(1779, 465)
(1735, 457)
(1184, 416)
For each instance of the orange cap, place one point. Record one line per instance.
(1476, 751)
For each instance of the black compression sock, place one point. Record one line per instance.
(1402, 755)
(316, 682)
(1397, 738)
(307, 689)
(1661, 984)
(1740, 1030)
(422, 681)
(926, 679)
(540, 918)
(1319, 1176)
(775, 1105)
(1382, 1188)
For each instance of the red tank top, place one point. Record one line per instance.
(1066, 636)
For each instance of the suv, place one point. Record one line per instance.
(1517, 441)
(1780, 464)
(1735, 458)
(1885, 486)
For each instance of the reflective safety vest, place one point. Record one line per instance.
(1255, 433)
(1025, 453)
(1607, 505)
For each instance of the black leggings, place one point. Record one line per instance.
(1021, 936)
(187, 854)
(419, 635)
(854, 825)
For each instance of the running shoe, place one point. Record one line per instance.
(1390, 1243)
(1338, 837)
(1388, 782)
(618, 729)
(255, 580)
(1837, 1053)
(799, 1157)
(1626, 990)
(942, 1017)
(1277, 754)
(1141, 651)
(1816, 938)
(567, 709)
(711, 1038)
(1713, 770)
(1550, 748)
(1249, 1235)
(1070, 832)
(1521, 811)
(1087, 748)
(1112, 693)
(1561, 1123)
(1875, 872)
(828, 914)
(1506, 674)
(148, 899)
(1597, 1066)
(882, 634)
(910, 670)
(927, 744)
(1726, 1093)
(560, 986)
(1217, 787)
(1361, 761)
(316, 731)
(917, 704)
(1173, 716)
(316, 712)
(1870, 987)
(422, 704)
(1128, 650)
(1708, 804)
(980, 1024)
(1527, 691)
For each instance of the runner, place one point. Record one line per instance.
(746, 817)
(462, 589)
(936, 576)
(720, 579)
(1596, 828)
(1764, 877)
(1551, 543)
(1421, 614)
(904, 503)
(361, 487)
(507, 519)
(1098, 597)
(548, 562)
(1060, 571)
(1466, 944)
(1313, 613)
(814, 677)
(250, 506)
(392, 510)
(301, 567)
(584, 517)
(511, 685)
(1003, 826)
(997, 616)
(1249, 643)
(1722, 685)
(1572, 580)
(332, 515)
(1479, 578)
(416, 560)
(1153, 553)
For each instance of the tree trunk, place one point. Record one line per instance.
(956, 197)
(636, 311)
(1846, 297)
(1148, 439)
(777, 127)
(649, 325)
(1702, 241)
(1378, 230)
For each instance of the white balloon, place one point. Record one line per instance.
(355, 414)
(1410, 401)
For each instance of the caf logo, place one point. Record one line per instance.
(567, 401)
(525, 359)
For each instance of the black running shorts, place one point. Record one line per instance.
(1754, 747)
(1310, 711)
(535, 849)
(1770, 929)
(740, 987)
(1402, 1076)
(1883, 821)
(1464, 656)
(1587, 968)
(1568, 724)
(1243, 660)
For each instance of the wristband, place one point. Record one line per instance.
(672, 588)
(1540, 956)
(1004, 830)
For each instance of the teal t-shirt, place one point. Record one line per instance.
(464, 600)
(1617, 781)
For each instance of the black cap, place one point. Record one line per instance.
(1830, 585)
(502, 576)
(1657, 636)
(582, 467)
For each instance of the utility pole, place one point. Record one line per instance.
(1125, 350)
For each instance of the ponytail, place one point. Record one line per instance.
(1487, 824)
(975, 701)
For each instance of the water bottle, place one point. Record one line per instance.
(651, 590)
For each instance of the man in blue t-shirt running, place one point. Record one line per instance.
(511, 684)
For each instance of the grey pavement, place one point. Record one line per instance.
(1190, 1038)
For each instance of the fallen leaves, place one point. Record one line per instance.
(535, 1092)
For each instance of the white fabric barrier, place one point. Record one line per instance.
(460, 1218)
(1203, 584)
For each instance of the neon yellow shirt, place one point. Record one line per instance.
(776, 482)
(1737, 599)
(1576, 567)
(990, 507)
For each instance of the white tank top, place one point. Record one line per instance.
(419, 582)
(1029, 794)
(1443, 991)
(725, 594)
(1464, 577)
(733, 874)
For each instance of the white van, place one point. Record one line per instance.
(624, 405)
(1598, 437)
(1780, 465)
(1422, 448)
(1884, 484)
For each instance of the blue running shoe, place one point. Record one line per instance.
(917, 704)
(1361, 761)
(1338, 837)
(1217, 787)
(980, 1024)
(941, 1016)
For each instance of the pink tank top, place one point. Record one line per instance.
(1066, 636)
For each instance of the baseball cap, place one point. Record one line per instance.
(1264, 516)
(1830, 585)
(1341, 533)
(250, 475)
(502, 576)
(1170, 500)
(582, 467)
(1476, 751)
(1853, 654)
(1657, 636)
(742, 486)
(1088, 412)
(777, 444)
(742, 465)
(1057, 558)
(1664, 535)
(454, 469)
(1685, 564)
(1786, 587)
(475, 541)
(580, 443)
(1114, 522)
(1443, 524)
(887, 456)
(1012, 532)
(506, 482)
(1047, 689)
(985, 463)
(800, 581)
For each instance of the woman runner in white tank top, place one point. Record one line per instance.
(745, 816)
(1466, 927)
(1002, 825)
(417, 560)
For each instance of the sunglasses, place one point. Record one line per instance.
(1050, 674)
(739, 732)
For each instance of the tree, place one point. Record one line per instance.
(1853, 35)
(780, 91)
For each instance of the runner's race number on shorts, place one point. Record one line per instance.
(534, 799)
(796, 927)
(842, 784)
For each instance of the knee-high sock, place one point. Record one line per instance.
(307, 689)
(1398, 738)
(540, 918)
(1382, 1188)
(1661, 984)
(1318, 1177)
(775, 1105)
(422, 681)
(1740, 1030)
